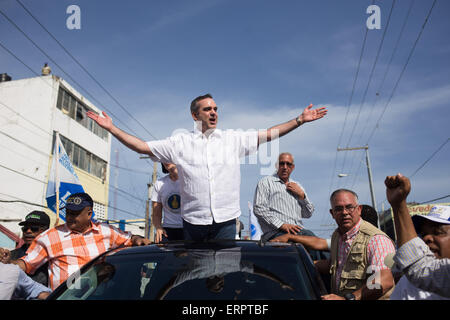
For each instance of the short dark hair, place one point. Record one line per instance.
(164, 170)
(194, 106)
(342, 190)
(369, 214)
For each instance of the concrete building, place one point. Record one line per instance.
(31, 111)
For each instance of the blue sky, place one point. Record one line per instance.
(264, 62)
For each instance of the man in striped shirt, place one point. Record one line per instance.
(280, 203)
(68, 247)
(425, 260)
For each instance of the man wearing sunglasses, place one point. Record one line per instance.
(280, 203)
(34, 224)
(69, 246)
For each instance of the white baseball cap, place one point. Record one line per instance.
(439, 214)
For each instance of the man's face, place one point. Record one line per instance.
(345, 211)
(79, 220)
(285, 166)
(437, 237)
(207, 114)
(31, 231)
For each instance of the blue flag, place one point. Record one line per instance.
(255, 228)
(62, 176)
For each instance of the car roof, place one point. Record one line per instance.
(245, 245)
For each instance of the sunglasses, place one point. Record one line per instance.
(282, 163)
(32, 228)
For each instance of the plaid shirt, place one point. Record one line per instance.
(67, 251)
(377, 250)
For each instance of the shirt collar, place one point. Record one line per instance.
(199, 134)
(94, 227)
(353, 231)
(278, 179)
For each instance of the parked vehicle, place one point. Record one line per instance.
(215, 270)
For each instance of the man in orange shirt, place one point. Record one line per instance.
(69, 246)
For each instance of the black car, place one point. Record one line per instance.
(215, 270)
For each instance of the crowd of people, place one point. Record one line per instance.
(198, 200)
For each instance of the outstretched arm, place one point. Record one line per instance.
(128, 140)
(280, 130)
(310, 242)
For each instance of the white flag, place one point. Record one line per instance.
(62, 175)
(255, 229)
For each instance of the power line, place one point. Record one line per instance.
(48, 155)
(85, 70)
(403, 70)
(388, 67)
(57, 65)
(348, 111)
(405, 65)
(22, 174)
(42, 206)
(371, 73)
(386, 28)
(23, 201)
(435, 199)
(426, 161)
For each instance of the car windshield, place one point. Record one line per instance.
(225, 274)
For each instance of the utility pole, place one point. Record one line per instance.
(149, 228)
(116, 174)
(369, 171)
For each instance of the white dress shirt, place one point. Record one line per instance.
(208, 170)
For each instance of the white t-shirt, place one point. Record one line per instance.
(167, 192)
(208, 170)
(405, 290)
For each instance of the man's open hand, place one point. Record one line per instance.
(309, 114)
(104, 122)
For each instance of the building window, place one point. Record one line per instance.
(83, 159)
(77, 110)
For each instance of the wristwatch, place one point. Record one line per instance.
(349, 296)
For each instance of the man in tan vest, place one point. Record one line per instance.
(358, 250)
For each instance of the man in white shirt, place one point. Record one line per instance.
(208, 165)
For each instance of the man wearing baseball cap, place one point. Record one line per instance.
(69, 246)
(425, 260)
(35, 223)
